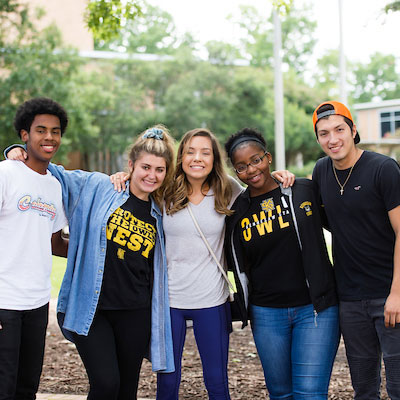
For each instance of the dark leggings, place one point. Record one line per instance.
(113, 352)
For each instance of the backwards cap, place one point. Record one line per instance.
(338, 109)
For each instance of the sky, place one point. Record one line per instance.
(366, 28)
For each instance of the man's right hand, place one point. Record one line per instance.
(118, 180)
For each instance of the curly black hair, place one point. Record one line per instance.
(27, 112)
(235, 141)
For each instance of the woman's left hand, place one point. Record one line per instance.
(285, 177)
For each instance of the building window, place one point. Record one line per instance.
(390, 123)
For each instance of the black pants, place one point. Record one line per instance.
(22, 338)
(113, 352)
(367, 339)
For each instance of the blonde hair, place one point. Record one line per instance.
(177, 195)
(160, 145)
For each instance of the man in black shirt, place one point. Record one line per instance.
(360, 192)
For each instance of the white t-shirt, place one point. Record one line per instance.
(194, 279)
(31, 211)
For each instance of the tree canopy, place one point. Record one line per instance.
(392, 6)
(109, 102)
(106, 18)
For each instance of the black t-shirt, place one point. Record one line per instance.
(270, 244)
(363, 238)
(131, 236)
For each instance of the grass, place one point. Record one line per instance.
(57, 273)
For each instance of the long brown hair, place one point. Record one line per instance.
(177, 195)
(160, 145)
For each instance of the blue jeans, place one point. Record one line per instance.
(366, 339)
(297, 348)
(211, 328)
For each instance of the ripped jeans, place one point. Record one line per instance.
(366, 340)
(297, 348)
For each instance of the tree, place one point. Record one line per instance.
(297, 37)
(301, 94)
(36, 63)
(31, 66)
(299, 135)
(326, 74)
(221, 52)
(152, 32)
(8, 6)
(199, 97)
(378, 79)
(105, 18)
(283, 6)
(393, 6)
(14, 21)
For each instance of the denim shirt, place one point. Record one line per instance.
(89, 199)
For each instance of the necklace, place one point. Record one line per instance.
(337, 180)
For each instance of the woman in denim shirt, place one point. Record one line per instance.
(115, 240)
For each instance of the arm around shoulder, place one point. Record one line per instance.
(18, 152)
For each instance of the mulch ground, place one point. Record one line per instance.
(63, 371)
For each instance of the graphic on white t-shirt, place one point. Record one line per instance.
(44, 209)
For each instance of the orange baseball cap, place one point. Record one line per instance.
(338, 109)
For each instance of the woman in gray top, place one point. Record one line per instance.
(197, 289)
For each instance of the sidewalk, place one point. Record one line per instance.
(50, 396)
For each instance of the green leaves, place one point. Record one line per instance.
(393, 6)
(377, 79)
(8, 6)
(152, 31)
(297, 36)
(105, 18)
(282, 6)
(34, 67)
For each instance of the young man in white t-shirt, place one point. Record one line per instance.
(31, 219)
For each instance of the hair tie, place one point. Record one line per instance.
(242, 139)
(153, 133)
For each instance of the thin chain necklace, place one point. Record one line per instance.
(337, 179)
